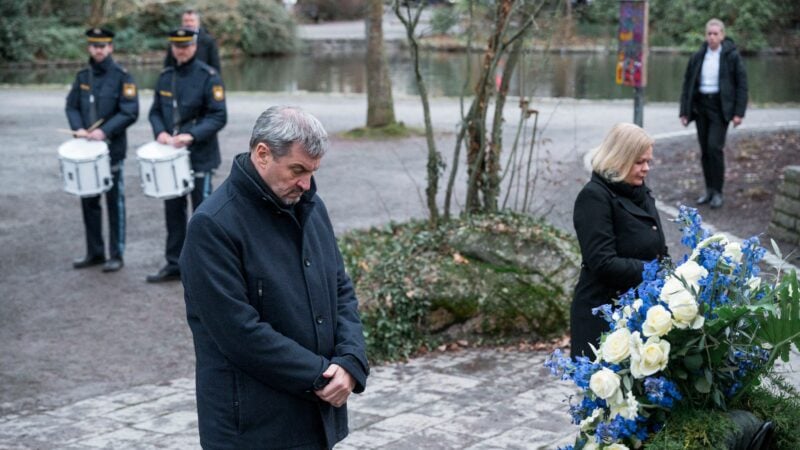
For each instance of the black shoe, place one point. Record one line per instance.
(113, 265)
(716, 201)
(88, 261)
(167, 273)
(705, 198)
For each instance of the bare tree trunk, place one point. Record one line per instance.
(380, 107)
(491, 187)
(434, 164)
(97, 13)
(476, 126)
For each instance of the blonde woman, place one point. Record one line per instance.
(618, 229)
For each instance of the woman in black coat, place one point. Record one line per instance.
(618, 230)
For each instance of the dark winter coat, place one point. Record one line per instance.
(270, 308)
(732, 82)
(198, 91)
(115, 98)
(616, 238)
(206, 51)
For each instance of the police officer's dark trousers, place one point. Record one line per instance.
(711, 130)
(175, 210)
(93, 219)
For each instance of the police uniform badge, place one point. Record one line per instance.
(129, 90)
(219, 93)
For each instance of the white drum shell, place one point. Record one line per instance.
(166, 171)
(85, 167)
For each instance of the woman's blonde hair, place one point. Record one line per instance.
(620, 150)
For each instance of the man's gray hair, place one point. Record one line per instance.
(280, 127)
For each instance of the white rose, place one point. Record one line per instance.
(706, 242)
(658, 321)
(648, 358)
(628, 409)
(605, 384)
(588, 423)
(616, 447)
(733, 251)
(691, 273)
(591, 445)
(684, 310)
(617, 346)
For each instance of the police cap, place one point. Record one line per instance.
(99, 36)
(182, 37)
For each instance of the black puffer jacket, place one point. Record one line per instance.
(732, 82)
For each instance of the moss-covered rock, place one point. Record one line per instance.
(501, 276)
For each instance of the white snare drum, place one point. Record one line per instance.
(166, 171)
(85, 167)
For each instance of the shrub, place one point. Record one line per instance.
(267, 28)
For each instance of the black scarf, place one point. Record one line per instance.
(637, 194)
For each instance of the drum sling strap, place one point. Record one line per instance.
(92, 104)
(176, 115)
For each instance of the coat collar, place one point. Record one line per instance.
(626, 203)
(257, 190)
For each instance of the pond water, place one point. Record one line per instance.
(772, 79)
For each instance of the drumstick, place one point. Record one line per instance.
(65, 130)
(95, 125)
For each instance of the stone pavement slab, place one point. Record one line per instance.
(477, 398)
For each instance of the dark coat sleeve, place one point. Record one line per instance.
(127, 113)
(216, 293)
(156, 115)
(73, 107)
(350, 345)
(213, 53)
(594, 226)
(687, 90)
(740, 82)
(215, 116)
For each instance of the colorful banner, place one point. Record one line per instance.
(632, 54)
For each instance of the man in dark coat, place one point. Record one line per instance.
(714, 93)
(206, 45)
(101, 105)
(188, 111)
(277, 335)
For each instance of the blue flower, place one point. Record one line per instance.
(661, 391)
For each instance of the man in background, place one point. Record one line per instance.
(206, 45)
(714, 94)
(101, 105)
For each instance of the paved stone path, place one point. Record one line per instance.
(475, 399)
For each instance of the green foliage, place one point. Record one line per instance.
(443, 19)
(393, 327)
(327, 10)
(681, 23)
(414, 281)
(693, 429)
(267, 28)
(397, 130)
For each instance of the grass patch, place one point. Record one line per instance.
(397, 130)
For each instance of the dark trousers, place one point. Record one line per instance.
(711, 130)
(175, 210)
(93, 219)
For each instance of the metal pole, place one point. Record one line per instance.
(638, 106)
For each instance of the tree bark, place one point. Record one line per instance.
(380, 107)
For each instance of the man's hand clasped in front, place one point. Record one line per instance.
(339, 388)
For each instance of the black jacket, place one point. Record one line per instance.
(116, 101)
(270, 307)
(617, 238)
(200, 96)
(206, 51)
(732, 82)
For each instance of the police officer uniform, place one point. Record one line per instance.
(189, 99)
(104, 96)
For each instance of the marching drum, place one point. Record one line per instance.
(166, 170)
(85, 167)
